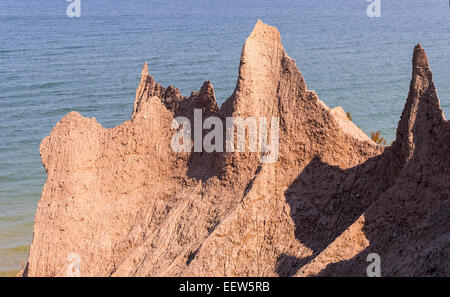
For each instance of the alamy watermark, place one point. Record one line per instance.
(374, 268)
(74, 8)
(374, 9)
(235, 135)
(73, 265)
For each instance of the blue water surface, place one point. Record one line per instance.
(51, 64)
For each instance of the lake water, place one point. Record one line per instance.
(51, 64)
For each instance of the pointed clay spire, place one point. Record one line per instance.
(422, 112)
(142, 90)
(208, 97)
(145, 69)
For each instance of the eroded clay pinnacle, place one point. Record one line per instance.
(145, 69)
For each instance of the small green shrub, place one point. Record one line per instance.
(349, 116)
(377, 138)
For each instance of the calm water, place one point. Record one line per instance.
(51, 64)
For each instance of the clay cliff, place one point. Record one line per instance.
(129, 205)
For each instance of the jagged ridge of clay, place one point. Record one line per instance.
(128, 205)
